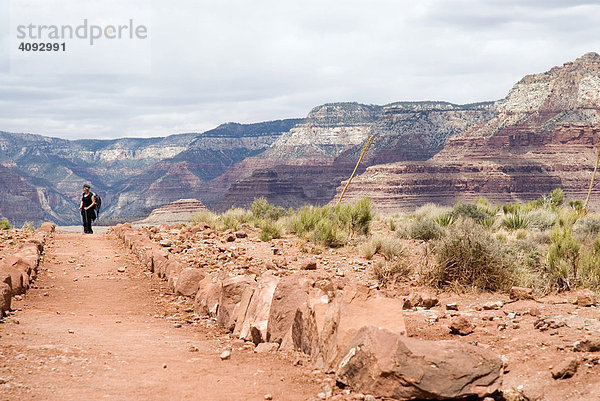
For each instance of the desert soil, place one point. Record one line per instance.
(86, 331)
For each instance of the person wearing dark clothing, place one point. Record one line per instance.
(88, 213)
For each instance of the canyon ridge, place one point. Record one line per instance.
(541, 136)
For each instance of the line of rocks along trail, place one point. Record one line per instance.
(88, 332)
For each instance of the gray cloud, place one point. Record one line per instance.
(234, 60)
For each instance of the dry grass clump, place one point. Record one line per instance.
(541, 219)
(386, 272)
(469, 256)
(589, 272)
(389, 248)
(210, 218)
(431, 211)
(587, 228)
(234, 218)
(562, 259)
(29, 226)
(424, 230)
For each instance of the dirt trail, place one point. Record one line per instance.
(88, 332)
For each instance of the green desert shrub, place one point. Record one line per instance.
(5, 224)
(355, 217)
(557, 197)
(270, 229)
(445, 220)
(562, 259)
(327, 233)
(260, 207)
(576, 205)
(586, 228)
(488, 222)
(515, 221)
(469, 210)
(567, 217)
(332, 226)
(511, 208)
(469, 256)
(541, 219)
(485, 205)
(424, 230)
(307, 218)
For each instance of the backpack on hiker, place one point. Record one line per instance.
(98, 200)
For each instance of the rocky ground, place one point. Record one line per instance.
(550, 346)
(10, 240)
(97, 325)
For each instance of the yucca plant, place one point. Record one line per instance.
(515, 221)
(445, 220)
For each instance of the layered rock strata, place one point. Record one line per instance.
(180, 211)
(544, 136)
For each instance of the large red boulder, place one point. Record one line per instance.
(349, 311)
(5, 298)
(257, 316)
(392, 366)
(206, 302)
(230, 299)
(291, 293)
(17, 284)
(47, 227)
(188, 282)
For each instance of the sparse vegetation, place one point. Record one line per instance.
(5, 224)
(424, 230)
(29, 226)
(270, 229)
(332, 226)
(563, 258)
(471, 211)
(234, 218)
(386, 272)
(548, 244)
(389, 248)
(206, 217)
(469, 256)
(515, 221)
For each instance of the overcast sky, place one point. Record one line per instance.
(215, 61)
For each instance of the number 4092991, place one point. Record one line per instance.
(42, 47)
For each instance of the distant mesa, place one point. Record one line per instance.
(180, 211)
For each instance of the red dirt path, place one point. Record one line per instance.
(88, 332)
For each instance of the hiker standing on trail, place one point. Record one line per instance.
(88, 213)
